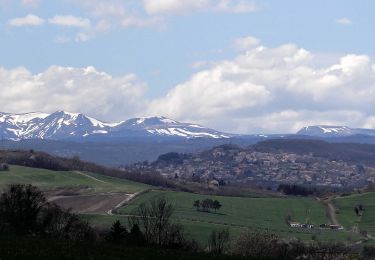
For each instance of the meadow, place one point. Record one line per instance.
(347, 216)
(237, 214)
(51, 180)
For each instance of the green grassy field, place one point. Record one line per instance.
(50, 180)
(347, 216)
(245, 213)
(236, 213)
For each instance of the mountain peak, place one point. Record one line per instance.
(65, 125)
(334, 131)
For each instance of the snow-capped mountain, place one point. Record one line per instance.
(162, 126)
(63, 125)
(334, 131)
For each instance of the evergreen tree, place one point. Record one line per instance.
(118, 232)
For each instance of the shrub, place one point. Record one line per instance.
(257, 245)
(4, 167)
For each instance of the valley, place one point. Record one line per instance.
(102, 200)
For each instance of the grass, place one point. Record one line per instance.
(51, 180)
(244, 213)
(347, 216)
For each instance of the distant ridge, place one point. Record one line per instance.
(62, 125)
(334, 131)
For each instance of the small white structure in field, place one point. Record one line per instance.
(295, 224)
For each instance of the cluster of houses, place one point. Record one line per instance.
(294, 224)
(236, 165)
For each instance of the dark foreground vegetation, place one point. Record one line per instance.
(32, 228)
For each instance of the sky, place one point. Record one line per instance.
(242, 66)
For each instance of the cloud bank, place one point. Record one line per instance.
(260, 90)
(83, 90)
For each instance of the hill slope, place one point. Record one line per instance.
(67, 180)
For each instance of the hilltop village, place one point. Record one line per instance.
(231, 164)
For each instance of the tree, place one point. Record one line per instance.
(216, 205)
(218, 241)
(4, 167)
(206, 204)
(135, 236)
(20, 206)
(197, 204)
(24, 210)
(117, 233)
(154, 218)
(356, 210)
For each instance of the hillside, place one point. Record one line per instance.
(83, 192)
(365, 220)
(82, 182)
(43, 160)
(349, 152)
(273, 163)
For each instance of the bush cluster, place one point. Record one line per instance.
(24, 210)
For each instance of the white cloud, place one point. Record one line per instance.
(168, 7)
(261, 90)
(28, 20)
(344, 21)
(209, 94)
(107, 15)
(273, 90)
(30, 3)
(73, 89)
(70, 20)
(246, 43)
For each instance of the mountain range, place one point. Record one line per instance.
(63, 125)
(334, 131)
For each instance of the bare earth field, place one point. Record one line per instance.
(94, 204)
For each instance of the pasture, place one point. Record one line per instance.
(83, 182)
(348, 217)
(258, 214)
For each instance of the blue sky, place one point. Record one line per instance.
(166, 45)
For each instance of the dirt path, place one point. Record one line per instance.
(125, 201)
(331, 213)
(91, 177)
(330, 210)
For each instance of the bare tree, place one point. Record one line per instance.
(218, 241)
(154, 219)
